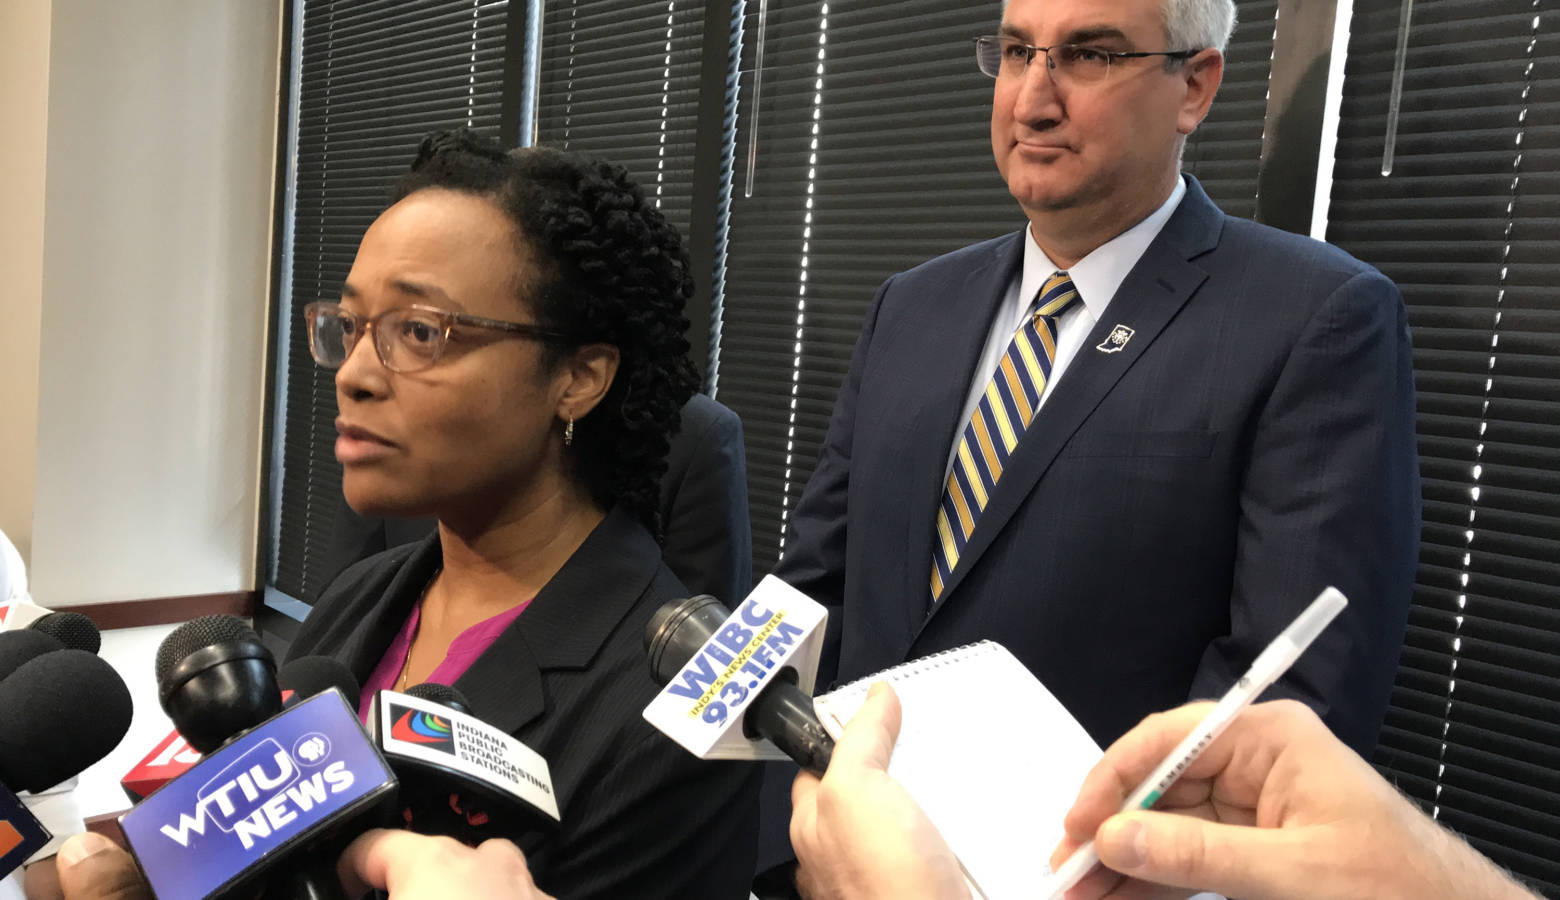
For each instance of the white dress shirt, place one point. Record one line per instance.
(1096, 278)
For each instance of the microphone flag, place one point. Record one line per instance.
(280, 785)
(435, 737)
(21, 835)
(702, 707)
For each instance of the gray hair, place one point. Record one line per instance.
(1196, 24)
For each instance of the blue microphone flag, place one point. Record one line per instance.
(284, 782)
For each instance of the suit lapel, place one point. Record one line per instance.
(365, 644)
(566, 625)
(944, 371)
(1153, 292)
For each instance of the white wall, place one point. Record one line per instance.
(24, 110)
(161, 141)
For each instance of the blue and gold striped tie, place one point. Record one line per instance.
(1004, 412)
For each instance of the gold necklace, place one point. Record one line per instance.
(406, 665)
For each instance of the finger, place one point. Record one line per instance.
(1125, 764)
(1233, 860)
(373, 860)
(804, 815)
(92, 867)
(1100, 882)
(497, 853)
(803, 788)
(868, 741)
(41, 880)
(1064, 848)
(1132, 889)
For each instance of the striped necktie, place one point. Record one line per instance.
(1003, 414)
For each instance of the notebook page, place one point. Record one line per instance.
(993, 759)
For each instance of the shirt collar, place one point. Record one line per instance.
(1101, 272)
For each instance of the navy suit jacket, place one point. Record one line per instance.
(1174, 504)
(707, 537)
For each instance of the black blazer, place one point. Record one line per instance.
(708, 538)
(1173, 505)
(641, 817)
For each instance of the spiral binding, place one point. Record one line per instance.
(916, 667)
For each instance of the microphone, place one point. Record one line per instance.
(721, 660)
(442, 694)
(19, 647)
(278, 792)
(458, 772)
(74, 630)
(215, 679)
(173, 755)
(40, 746)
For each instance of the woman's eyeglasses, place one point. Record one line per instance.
(406, 338)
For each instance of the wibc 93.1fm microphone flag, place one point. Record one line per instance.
(739, 684)
(274, 798)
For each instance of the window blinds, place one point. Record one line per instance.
(373, 77)
(1468, 225)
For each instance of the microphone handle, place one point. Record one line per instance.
(311, 878)
(785, 715)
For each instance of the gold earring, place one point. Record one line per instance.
(568, 432)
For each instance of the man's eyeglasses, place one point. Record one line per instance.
(1067, 63)
(406, 338)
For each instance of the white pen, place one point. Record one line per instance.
(1270, 665)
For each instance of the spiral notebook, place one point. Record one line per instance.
(993, 759)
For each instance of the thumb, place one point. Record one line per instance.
(92, 867)
(1186, 852)
(868, 741)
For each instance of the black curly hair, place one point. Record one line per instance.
(613, 271)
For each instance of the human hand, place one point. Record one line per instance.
(88, 867)
(856, 831)
(417, 867)
(1276, 807)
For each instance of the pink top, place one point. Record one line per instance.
(463, 651)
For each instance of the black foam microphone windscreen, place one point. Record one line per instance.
(442, 694)
(59, 713)
(19, 647)
(215, 679)
(72, 629)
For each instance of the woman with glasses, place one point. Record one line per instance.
(511, 358)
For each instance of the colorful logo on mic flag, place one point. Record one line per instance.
(20, 834)
(417, 727)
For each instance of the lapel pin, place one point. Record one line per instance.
(1116, 340)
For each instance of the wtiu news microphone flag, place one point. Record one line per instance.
(702, 708)
(306, 768)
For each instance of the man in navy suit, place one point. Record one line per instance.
(1223, 425)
